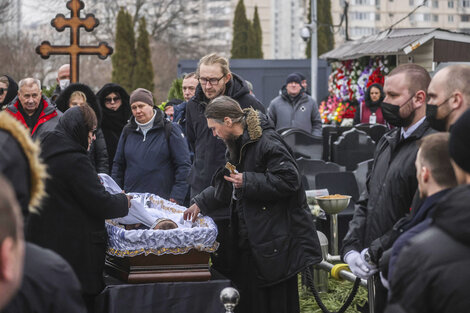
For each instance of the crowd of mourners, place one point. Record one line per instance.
(408, 237)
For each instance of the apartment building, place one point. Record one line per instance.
(366, 17)
(281, 21)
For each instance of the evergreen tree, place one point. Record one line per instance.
(143, 71)
(123, 59)
(258, 36)
(176, 90)
(241, 33)
(325, 38)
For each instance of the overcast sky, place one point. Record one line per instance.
(35, 11)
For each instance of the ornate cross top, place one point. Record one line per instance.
(60, 22)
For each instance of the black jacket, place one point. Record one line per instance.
(390, 189)
(431, 273)
(98, 153)
(11, 93)
(49, 285)
(113, 121)
(280, 230)
(209, 152)
(71, 221)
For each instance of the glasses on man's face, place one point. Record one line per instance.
(111, 99)
(211, 81)
(2, 90)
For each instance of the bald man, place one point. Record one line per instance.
(448, 96)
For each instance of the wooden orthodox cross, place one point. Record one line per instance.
(74, 50)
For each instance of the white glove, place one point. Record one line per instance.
(357, 265)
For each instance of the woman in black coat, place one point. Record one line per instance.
(114, 102)
(98, 152)
(71, 221)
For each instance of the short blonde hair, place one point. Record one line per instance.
(212, 59)
(77, 94)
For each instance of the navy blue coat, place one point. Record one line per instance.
(153, 164)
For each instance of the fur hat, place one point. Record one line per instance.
(142, 95)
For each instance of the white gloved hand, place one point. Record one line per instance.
(357, 265)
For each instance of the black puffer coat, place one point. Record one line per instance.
(391, 187)
(71, 221)
(209, 152)
(281, 233)
(431, 273)
(98, 153)
(113, 121)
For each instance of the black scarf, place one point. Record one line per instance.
(33, 119)
(115, 120)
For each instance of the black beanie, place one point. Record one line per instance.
(459, 142)
(293, 78)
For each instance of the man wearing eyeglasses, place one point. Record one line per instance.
(33, 110)
(215, 79)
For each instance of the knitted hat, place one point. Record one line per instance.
(293, 78)
(459, 143)
(143, 95)
(302, 76)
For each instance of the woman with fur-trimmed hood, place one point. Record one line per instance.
(78, 94)
(114, 102)
(19, 162)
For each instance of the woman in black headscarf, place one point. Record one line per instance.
(71, 221)
(80, 94)
(8, 90)
(114, 102)
(370, 111)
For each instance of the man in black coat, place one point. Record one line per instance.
(71, 221)
(274, 235)
(392, 184)
(215, 79)
(431, 272)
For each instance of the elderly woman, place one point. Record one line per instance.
(78, 95)
(152, 155)
(370, 111)
(114, 102)
(71, 221)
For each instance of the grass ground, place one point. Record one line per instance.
(338, 292)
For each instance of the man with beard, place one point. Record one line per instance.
(274, 236)
(448, 96)
(215, 79)
(392, 183)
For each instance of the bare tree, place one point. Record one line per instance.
(6, 13)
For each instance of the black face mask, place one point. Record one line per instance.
(391, 114)
(431, 113)
(431, 116)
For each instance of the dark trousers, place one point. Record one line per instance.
(280, 298)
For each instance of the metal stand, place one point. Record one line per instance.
(334, 234)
